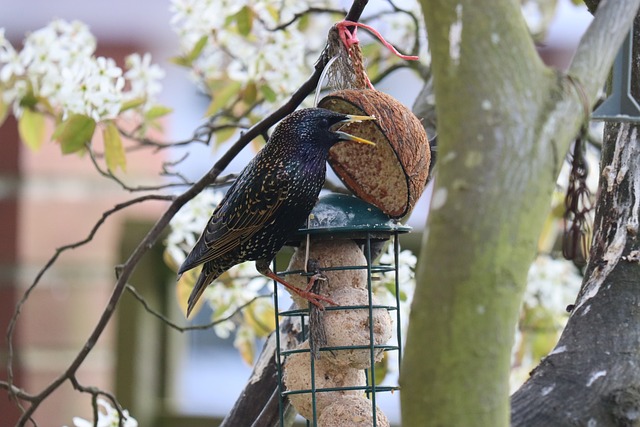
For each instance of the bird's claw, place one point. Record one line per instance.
(315, 299)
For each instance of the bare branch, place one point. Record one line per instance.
(595, 53)
(179, 328)
(299, 15)
(202, 135)
(416, 25)
(108, 174)
(95, 392)
(16, 391)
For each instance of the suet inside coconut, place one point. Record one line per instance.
(392, 175)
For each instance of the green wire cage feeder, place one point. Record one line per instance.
(330, 378)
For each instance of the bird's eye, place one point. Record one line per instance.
(324, 123)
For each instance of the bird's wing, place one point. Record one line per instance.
(249, 205)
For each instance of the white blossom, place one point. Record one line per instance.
(385, 290)
(534, 16)
(107, 417)
(144, 77)
(552, 284)
(8, 56)
(57, 63)
(243, 286)
(279, 59)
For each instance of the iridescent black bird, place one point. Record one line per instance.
(271, 198)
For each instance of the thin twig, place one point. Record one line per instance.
(202, 135)
(388, 71)
(95, 392)
(110, 175)
(179, 328)
(416, 25)
(302, 14)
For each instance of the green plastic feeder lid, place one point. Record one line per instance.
(351, 218)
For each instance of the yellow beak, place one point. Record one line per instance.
(355, 119)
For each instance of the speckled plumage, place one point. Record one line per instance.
(271, 198)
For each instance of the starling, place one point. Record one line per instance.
(271, 198)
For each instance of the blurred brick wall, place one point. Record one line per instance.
(9, 185)
(48, 200)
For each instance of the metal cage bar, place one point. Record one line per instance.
(370, 387)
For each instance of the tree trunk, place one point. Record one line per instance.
(505, 122)
(592, 375)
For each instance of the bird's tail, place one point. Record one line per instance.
(206, 277)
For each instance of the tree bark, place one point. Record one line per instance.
(505, 122)
(259, 403)
(591, 377)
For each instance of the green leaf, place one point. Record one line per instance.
(245, 343)
(4, 111)
(187, 60)
(244, 20)
(197, 49)
(133, 103)
(29, 101)
(157, 111)
(250, 93)
(45, 106)
(74, 133)
(229, 20)
(31, 127)
(113, 149)
(224, 134)
(260, 319)
(214, 85)
(303, 22)
(222, 97)
(182, 61)
(369, 49)
(269, 94)
(273, 11)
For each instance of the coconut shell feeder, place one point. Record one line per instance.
(392, 175)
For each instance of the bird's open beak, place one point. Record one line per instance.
(348, 137)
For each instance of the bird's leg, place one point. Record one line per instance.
(317, 276)
(315, 299)
(303, 293)
(312, 281)
(317, 329)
